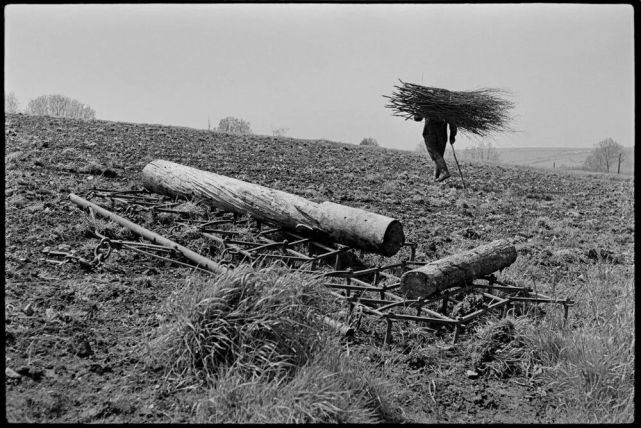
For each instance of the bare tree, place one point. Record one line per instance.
(60, 106)
(482, 151)
(280, 132)
(604, 155)
(234, 126)
(11, 104)
(369, 142)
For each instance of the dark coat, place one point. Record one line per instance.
(435, 134)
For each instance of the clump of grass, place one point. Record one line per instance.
(11, 160)
(18, 201)
(108, 228)
(543, 223)
(92, 167)
(251, 340)
(591, 365)
(258, 322)
(504, 348)
(329, 388)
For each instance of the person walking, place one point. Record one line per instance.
(435, 136)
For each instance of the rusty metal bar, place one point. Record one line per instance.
(224, 232)
(500, 287)
(289, 250)
(423, 319)
(375, 269)
(457, 332)
(481, 311)
(366, 300)
(536, 299)
(329, 254)
(129, 247)
(282, 256)
(351, 287)
(268, 231)
(388, 332)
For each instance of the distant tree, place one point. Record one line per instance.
(234, 126)
(11, 104)
(280, 132)
(369, 142)
(60, 106)
(604, 156)
(482, 151)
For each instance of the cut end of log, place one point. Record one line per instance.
(417, 284)
(394, 239)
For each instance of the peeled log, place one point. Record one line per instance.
(458, 269)
(346, 225)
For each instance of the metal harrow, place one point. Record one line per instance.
(239, 239)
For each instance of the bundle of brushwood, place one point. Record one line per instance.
(480, 112)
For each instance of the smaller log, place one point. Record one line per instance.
(458, 269)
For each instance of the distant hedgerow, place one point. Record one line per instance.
(59, 106)
(369, 142)
(234, 126)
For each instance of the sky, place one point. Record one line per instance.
(321, 70)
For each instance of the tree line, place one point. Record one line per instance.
(606, 156)
(50, 105)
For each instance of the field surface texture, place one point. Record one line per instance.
(77, 340)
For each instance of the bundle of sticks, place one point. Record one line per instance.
(480, 112)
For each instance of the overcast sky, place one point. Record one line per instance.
(321, 70)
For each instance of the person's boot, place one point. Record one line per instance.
(442, 167)
(444, 176)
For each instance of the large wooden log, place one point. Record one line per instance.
(458, 269)
(346, 225)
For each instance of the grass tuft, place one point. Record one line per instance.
(504, 348)
(592, 362)
(329, 388)
(252, 341)
(258, 322)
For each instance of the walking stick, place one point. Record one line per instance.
(458, 166)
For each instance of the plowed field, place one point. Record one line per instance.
(72, 335)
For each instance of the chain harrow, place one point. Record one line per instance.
(237, 239)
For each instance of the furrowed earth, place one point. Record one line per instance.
(73, 336)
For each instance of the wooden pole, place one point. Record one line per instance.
(619, 167)
(458, 269)
(201, 261)
(342, 224)
(458, 166)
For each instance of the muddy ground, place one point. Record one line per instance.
(72, 335)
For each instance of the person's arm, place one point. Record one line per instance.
(453, 130)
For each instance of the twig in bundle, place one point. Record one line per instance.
(480, 112)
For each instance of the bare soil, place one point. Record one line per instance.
(72, 335)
